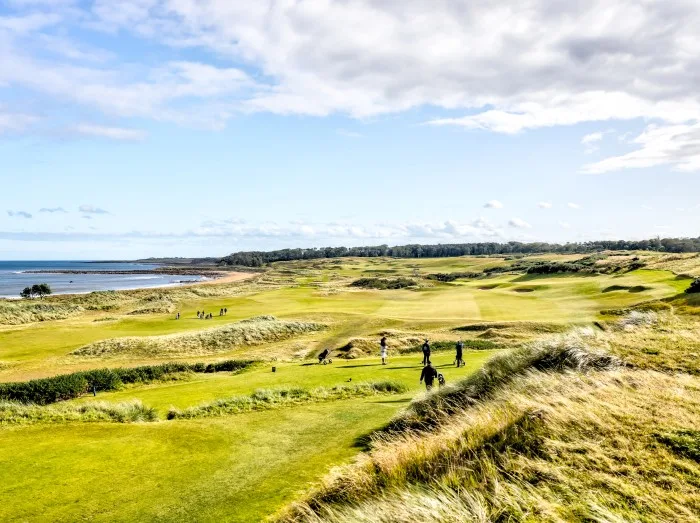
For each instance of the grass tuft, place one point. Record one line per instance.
(265, 399)
(15, 413)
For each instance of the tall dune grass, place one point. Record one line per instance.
(208, 341)
(546, 446)
(15, 413)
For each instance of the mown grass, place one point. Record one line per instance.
(16, 413)
(265, 399)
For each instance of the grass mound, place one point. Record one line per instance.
(264, 399)
(16, 413)
(383, 283)
(17, 312)
(209, 341)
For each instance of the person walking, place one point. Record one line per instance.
(426, 353)
(459, 349)
(383, 349)
(428, 375)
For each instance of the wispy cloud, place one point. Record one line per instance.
(493, 204)
(564, 225)
(544, 205)
(112, 133)
(572, 205)
(519, 223)
(91, 209)
(53, 209)
(674, 145)
(19, 214)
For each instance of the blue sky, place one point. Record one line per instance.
(173, 127)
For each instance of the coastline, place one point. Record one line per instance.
(211, 278)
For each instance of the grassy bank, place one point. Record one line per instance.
(266, 399)
(554, 432)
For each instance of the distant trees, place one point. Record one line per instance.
(38, 289)
(260, 258)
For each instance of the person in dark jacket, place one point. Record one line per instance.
(323, 356)
(428, 375)
(459, 349)
(426, 353)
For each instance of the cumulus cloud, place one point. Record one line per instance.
(549, 69)
(112, 133)
(493, 204)
(91, 209)
(53, 209)
(544, 205)
(519, 223)
(19, 214)
(572, 205)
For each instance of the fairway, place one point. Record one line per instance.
(235, 468)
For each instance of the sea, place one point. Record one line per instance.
(14, 278)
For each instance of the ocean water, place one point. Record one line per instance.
(13, 278)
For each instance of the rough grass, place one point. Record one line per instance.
(18, 312)
(546, 446)
(265, 399)
(666, 342)
(16, 413)
(266, 329)
(556, 354)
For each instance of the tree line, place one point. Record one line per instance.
(260, 258)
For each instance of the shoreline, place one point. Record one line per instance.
(221, 277)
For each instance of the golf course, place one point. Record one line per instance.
(579, 398)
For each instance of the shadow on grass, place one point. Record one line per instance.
(532, 277)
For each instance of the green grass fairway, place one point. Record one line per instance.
(232, 468)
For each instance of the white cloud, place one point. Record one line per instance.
(53, 210)
(91, 209)
(564, 225)
(19, 214)
(493, 204)
(15, 122)
(647, 207)
(592, 138)
(366, 58)
(572, 205)
(544, 205)
(519, 223)
(113, 133)
(675, 145)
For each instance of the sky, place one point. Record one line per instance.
(139, 128)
